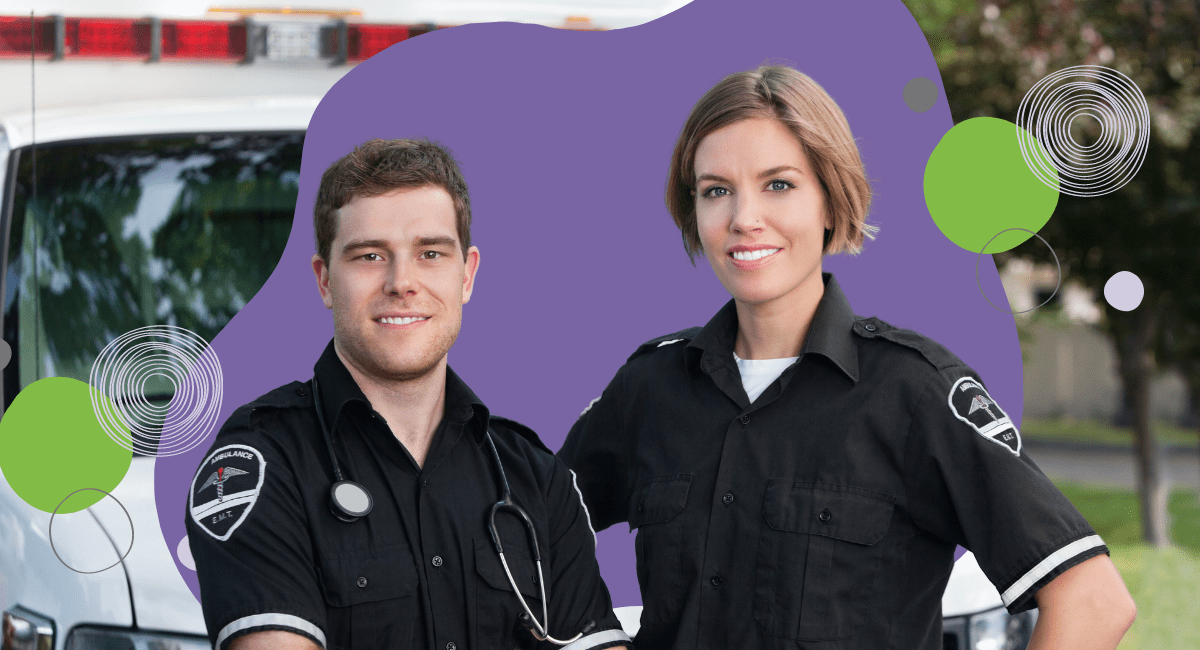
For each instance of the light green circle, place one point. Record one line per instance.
(978, 184)
(51, 444)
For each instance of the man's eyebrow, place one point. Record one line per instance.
(439, 240)
(363, 243)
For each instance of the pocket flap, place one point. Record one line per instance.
(841, 512)
(524, 570)
(660, 499)
(366, 576)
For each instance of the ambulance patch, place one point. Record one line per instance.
(970, 402)
(225, 489)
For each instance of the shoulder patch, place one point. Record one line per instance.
(934, 352)
(225, 489)
(523, 431)
(969, 401)
(665, 340)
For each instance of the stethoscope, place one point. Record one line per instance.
(350, 501)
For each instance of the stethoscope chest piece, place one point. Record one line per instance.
(349, 501)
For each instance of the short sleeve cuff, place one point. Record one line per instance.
(599, 640)
(1019, 597)
(271, 621)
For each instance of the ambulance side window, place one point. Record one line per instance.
(174, 230)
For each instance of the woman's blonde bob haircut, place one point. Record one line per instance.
(801, 105)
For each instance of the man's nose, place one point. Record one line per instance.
(400, 280)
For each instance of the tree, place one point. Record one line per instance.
(992, 54)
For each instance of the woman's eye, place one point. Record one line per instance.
(779, 186)
(716, 190)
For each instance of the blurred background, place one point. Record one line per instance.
(1111, 397)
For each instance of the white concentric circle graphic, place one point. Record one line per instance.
(1049, 111)
(157, 354)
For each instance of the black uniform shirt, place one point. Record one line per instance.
(826, 513)
(420, 570)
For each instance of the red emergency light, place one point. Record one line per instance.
(248, 39)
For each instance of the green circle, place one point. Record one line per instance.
(978, 184)
(53, 445)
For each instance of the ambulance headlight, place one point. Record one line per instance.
(102, 638)
(22, 629)
(997, 630)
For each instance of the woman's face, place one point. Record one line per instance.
(760, 211)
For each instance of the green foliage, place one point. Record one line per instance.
(1114, 513)
(1100, 433)
(1165, 585)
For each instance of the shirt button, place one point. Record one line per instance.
(437, 560)
(450, 646)
(825, 515)
(727, 499)
(641, 506)
(869, 327)
(301, 392)
(716, 581)
(362, 582)
(745, 419)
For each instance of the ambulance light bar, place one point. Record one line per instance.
(159, 39)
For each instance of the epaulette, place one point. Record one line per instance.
(934, 352)
(293, 395)
(523, 431)
(668, 339)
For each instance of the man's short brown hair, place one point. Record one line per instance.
(801, 105)
(377, 167)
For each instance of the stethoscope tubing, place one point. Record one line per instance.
(540, 630)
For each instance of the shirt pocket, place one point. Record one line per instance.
(498, 611)
(371, 596)
(655, 512)
(818, 558)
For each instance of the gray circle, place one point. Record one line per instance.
(1056, 264)
(5, 353)
(352, 498)
(1124, 291)
(51, 531)
(920, 94)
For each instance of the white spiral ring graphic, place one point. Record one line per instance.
(167, 353)
(1052, 105)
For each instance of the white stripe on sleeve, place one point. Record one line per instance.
(599, 638)
(586, 514)
(263, 620)
(1052, 562)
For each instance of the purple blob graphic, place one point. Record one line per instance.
(565, 138)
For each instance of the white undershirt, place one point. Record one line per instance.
(757, 374)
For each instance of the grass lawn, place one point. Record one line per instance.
(1094, 431)
(1164, 583)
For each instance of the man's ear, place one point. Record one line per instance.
(321, 270)
(472, 265)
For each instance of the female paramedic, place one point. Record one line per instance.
(799, 476)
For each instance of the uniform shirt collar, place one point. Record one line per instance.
(338, 389)
(830, 335)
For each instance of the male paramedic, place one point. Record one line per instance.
(362, 508)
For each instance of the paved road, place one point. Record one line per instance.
(1109, 466)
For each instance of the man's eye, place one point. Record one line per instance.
(371, 257)
(779, 186)
(430, 255)
(716, 190)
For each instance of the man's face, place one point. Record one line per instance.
(396, 281)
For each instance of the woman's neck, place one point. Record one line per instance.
(776, 329)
